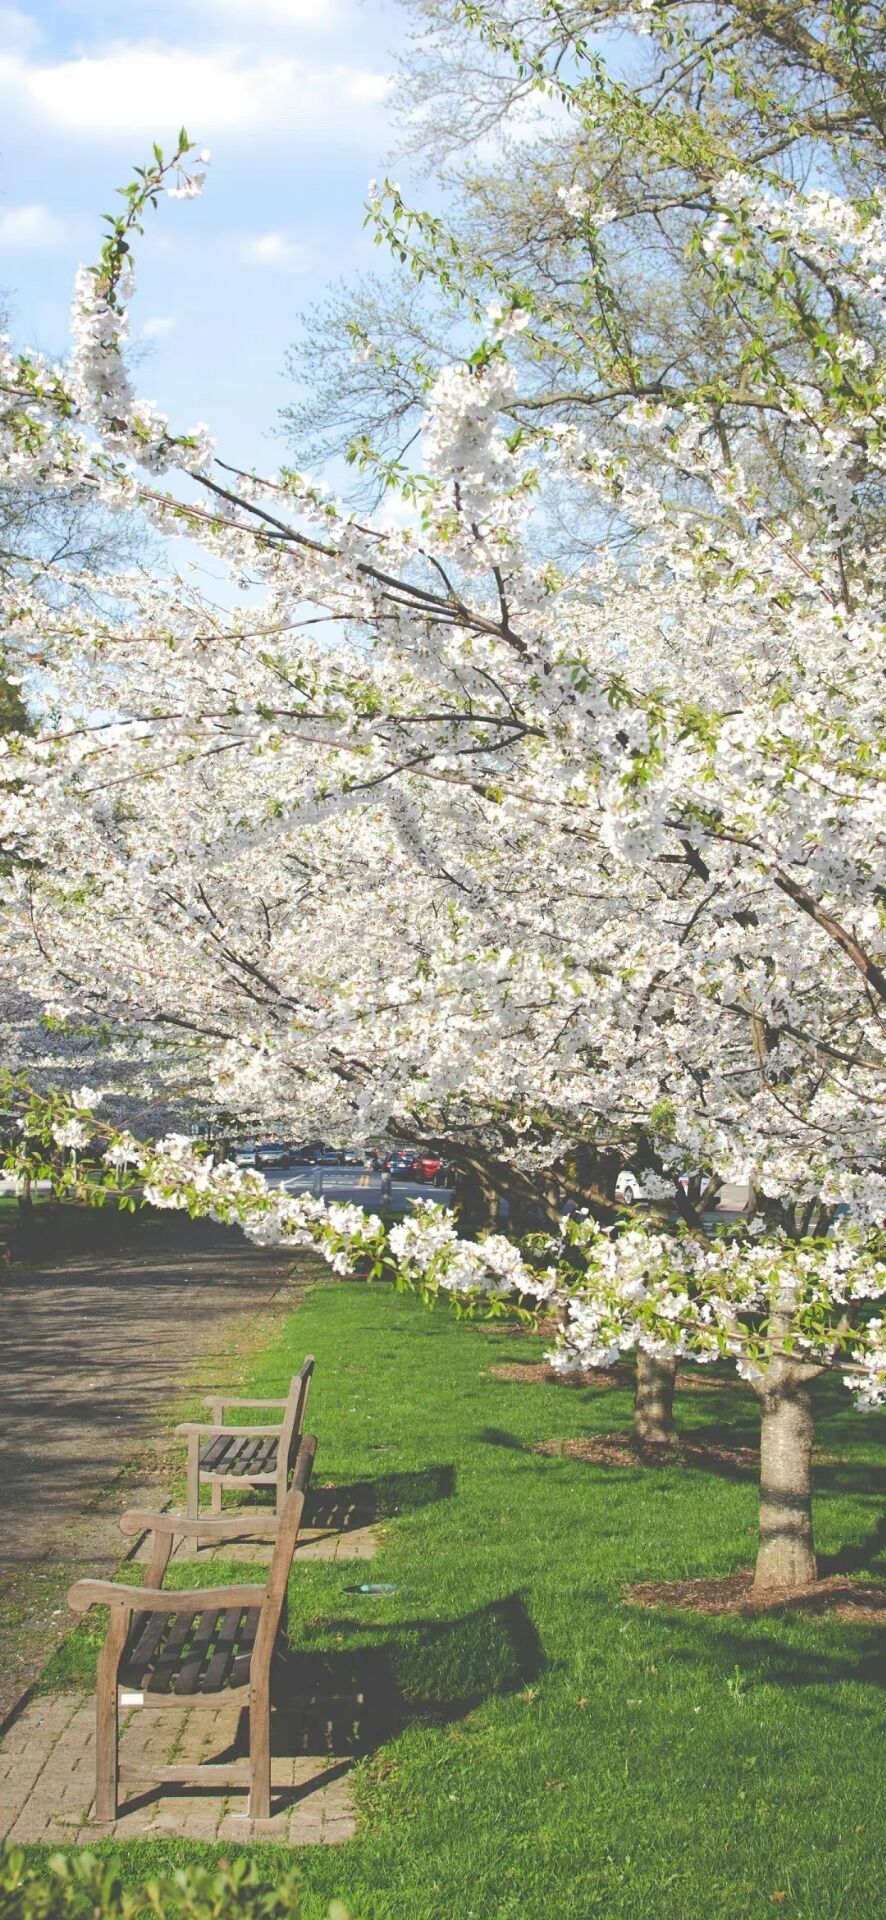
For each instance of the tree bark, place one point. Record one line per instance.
(476, 1200)
(25, 1199)
(786, 1554)
(654, 1400)
(482, 1179)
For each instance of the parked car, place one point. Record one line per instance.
(273, 1153)
(330, 1157)
(429, 1168)
(401, 1166)
(244, 1154)
(630, 1188)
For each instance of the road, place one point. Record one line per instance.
(356, 1186)
(362, 1188)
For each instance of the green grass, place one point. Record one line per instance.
(549, 1753)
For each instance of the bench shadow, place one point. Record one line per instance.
(358, 1503)
(352, 1700)
(362, 1501)
(339, 1705)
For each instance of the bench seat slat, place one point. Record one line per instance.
(165, 1664)
(145, 1636)
(217, 1672)
(189, 1654)
(239, 1457)
(188, 1675)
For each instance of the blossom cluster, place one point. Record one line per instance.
(535, 860)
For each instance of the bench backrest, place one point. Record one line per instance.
(294, 1417)
(284, 1548)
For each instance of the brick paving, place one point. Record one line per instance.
(47, 1761)
(358, 1544)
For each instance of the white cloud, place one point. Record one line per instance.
(396, 515)
(143, 89)
(272, 250)
(32, 229)
(18, 32)
(315, 16)
(159, 326)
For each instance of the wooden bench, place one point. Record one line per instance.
(163, 1649)
(237, 1457)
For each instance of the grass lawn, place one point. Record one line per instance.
(553, 1754)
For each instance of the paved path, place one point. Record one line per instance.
(92, 1352)
(47, 1769)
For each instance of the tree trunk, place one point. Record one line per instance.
(786, 1555)
(654, 1400)
(476, 1201)
(25, 1199)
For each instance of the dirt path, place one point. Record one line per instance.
(93, 1352)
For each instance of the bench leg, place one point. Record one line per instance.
(192, 1500)
(260, 1754)
(215, 1494)
(106, 1716)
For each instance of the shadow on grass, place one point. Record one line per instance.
(757, 1657)
(344, 1704)
(380, 1498)
(499, 1437)
(351, 1700)
(494, 1649)
(866, 1556)
(702, 1450)
(357, 1503)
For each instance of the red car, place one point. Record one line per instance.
(427, 1166)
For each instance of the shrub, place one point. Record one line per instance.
(79, 1886)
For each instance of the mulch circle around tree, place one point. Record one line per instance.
(622, 1450)
(548, 1329)
(836, 1598)
(542, 1373)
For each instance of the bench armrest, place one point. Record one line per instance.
(210, 1526)
(110, 1593)
(215, 1400)
(242, 1433)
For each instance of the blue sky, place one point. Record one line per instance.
(294, 99)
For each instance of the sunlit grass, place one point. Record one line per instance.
(548, 1752)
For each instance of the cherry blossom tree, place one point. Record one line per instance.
(539, 129)
(430, 834)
